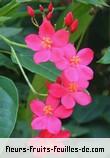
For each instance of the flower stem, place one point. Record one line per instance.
(12, 42)
(23, 72)
(35, 23)
(5, 52)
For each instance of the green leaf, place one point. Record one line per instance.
(93, 111)
(9, 31)
(22, 123)
(4, 19)
(106, 58)
(6, 9)
(81, 12)
(106, 114)
(8, 106)
(41, 1)
(39, 83)
(98, 3)
(99, 130)
(46, 70)
(75, 129)
(6, 62)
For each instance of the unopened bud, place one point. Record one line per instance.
(59, 80)
(48, 84)
(69, 19)
(74, 25)
(50, 7)
(30, 11)
(41, 8)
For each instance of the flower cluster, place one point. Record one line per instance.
(70, 88)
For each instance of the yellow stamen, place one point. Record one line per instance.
(48, 110)
(46, 42)
(75, 60)
(72, 87)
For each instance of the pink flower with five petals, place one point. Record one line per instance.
(48, 115)
(71, 92)
(74, 65)
(46, 40)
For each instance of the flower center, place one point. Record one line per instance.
(75, 60)
(46, 42)
(48, 110)
(72, 87)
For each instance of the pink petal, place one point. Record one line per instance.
(42, 56)
(33, 42)
(62, 64)
(85, 72)
(64, 80)
(60, 38)
(57, 90)
(53, 125)
(37, 107)
(86, 56)
(68, 101)
(82, 84)
(46, 29)
(69, 51)
(62, 113)
(39, 123)
(82, 98)
(57, 54)
(52, 101)
(71, 74)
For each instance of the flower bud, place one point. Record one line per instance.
(41, 8)
(49, 15)
(50, 7)
(30, 11)
(48, 84)
(74, 25)
(59, 80)
(68, 19)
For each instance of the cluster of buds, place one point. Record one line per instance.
(31, 11)
(70, 22)
(50, 10)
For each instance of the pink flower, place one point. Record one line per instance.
(71, 92)
(61, 134)
(48, 114)
(46, 40)
(74, 65)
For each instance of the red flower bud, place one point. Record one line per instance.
(49, 15)
(59, 80)
(41, 8)
(48, 84)
(69, 19)
(74, 25)
(50, 7)
(30, 11)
